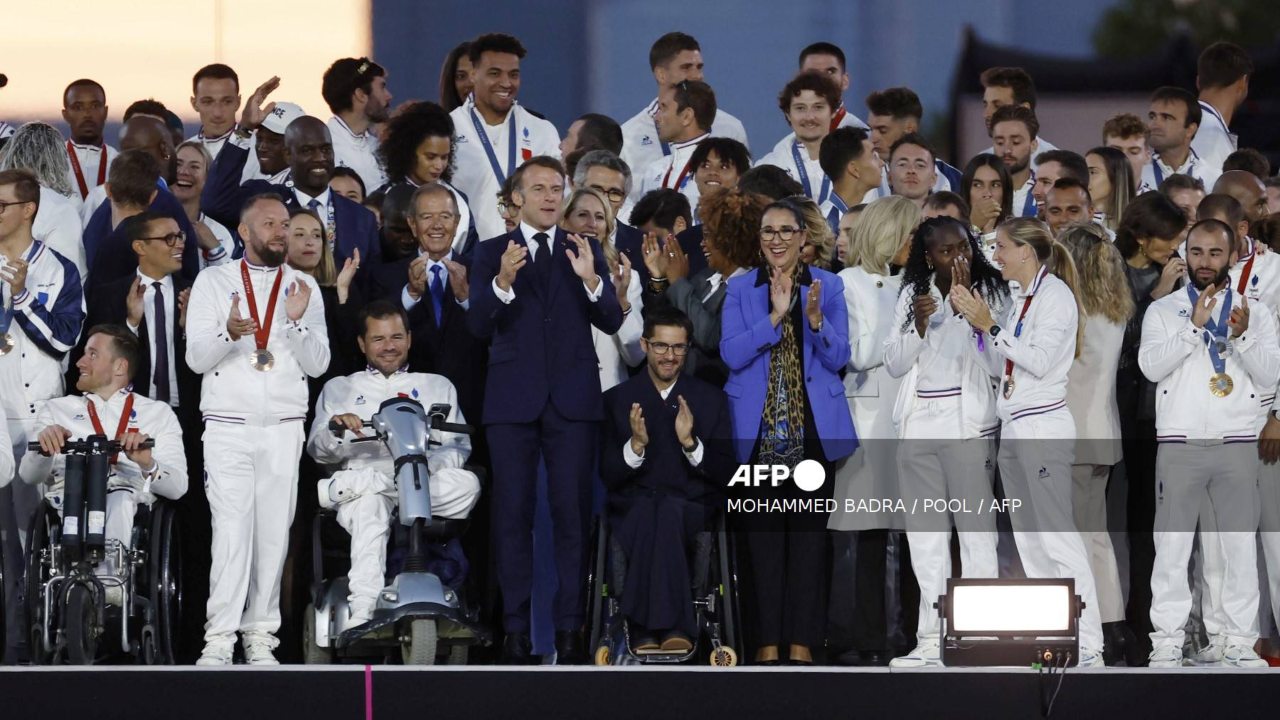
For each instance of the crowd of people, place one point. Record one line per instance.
(639, 309)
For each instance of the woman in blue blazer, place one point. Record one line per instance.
(785, 337)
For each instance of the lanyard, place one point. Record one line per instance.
(838, 210)
(683, 178)
(803, 172)
(264, 328)
(1155, 168)
(1026, 305)
(1029, 203)
(839, 116)
(1244, 275)
(1214, 330)
(120, 427)
(488, 146)
(75, 167)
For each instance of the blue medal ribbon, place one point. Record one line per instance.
(1214, 331)
(803, 172)
(488, 146)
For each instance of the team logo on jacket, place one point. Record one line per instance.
(79, 416)
(646, 141)
(1044, 473)
(1184, 312)
(359, 399)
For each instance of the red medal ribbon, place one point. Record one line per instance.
(1248, 270)
(120, 427)
(75, 168)
(264, 328)
(835, 119)
(1008, 364)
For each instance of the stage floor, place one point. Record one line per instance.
(354, 692)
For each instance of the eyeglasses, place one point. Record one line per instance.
(5, 205)
(661, 348)
(785, 233)
(171, 239)
(614, 194)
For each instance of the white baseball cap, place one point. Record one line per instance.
(277, 121)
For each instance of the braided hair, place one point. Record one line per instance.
(917, 275)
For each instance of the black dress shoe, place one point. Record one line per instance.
(517, 649)
(570, 648)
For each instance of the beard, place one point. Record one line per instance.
(269, 257)
(1218, 281)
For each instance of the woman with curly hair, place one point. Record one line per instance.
(820, 241)
(730, 242)
(945, 413)
(417, 148)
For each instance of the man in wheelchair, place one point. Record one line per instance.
(665, 459)
(363, 489)
(109, 407)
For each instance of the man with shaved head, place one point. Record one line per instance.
(139, 132)
(308, 151)
(1247, 189)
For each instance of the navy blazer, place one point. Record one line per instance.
(224, 195)
(109, 256)
(747, 339)
(540, 344)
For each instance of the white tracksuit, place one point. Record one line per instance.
(253, 438)
(363, 490)
(1207, 450)
(1037, 440)
(127, 486)
(946, 415)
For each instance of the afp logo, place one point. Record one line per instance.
(809, 475)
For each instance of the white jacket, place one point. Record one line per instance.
(232, 391)
(360, 393)
(155, 419)
(949, 343)
(621, 350)
(1262, 286)
(1174, 356)
(640, 144)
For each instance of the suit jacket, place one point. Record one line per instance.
(686, 295)
(109, 255)
(107, 304)
(666, 469)
(747, 339)
(540, 346)
(447, 349)
(355, 227)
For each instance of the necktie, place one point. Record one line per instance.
(437, 291)
(314, 205)
(160, 358)
(542, 257)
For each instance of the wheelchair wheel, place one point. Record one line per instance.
(422, 644)
(596, 582)
(458, 654)
(313, 654)
(45, 528)
(165, 581)
(602, 655)
(82, 626)
(724, 656)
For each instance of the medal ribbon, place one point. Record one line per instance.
(1017, 329)
(488, 146)
(264, 328)
(1244, 276)
(120, 427)
(75, 167)
(1214, 330)
(804, 176)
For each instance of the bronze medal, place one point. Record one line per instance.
(262, 360)
(7, 344)
(1008, 388)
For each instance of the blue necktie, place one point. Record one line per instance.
(437, 291)
(160, 368)
(542, 257)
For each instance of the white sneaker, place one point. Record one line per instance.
(216, 652)
(258, 647)
(1242, 656)
(1210, 654)
(1165, 656)
(1090, 658)
(926, 654)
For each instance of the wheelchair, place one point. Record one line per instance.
(423, 616)
(91, 600)
(713, 594)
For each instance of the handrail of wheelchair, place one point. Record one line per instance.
(84, 446)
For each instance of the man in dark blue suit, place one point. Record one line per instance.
(309, 152)
(535, 293)
(665, 456)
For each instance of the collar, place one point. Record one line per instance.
(206, 139)
(371, 370)
(147, 280)
(354, 135)
(118, 395)
(689, 143)
(651, 108)
(528, 231)
(430, 262)
(100, 147)
(762, 275)
(1253, 246)
(1035, 283)
(470, 105)
(1190, 162)
(1207, 108)
(260, 268)
(304, 199)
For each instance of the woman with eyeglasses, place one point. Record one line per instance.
(785, 339)
(588, 213)
(1091, 397)
(944, 414)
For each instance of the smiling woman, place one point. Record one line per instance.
(116, 46)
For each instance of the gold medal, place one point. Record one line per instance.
(1008, 388)
(7, 343)
(262, 360)
(1221, 384)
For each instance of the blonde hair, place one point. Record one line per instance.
(1053, 255)
(606, 242)
(877, 235)
(816, 230)
(1103, 288)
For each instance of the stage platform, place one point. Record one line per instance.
(354, 692)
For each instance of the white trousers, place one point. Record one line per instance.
(251, 480)
(367, 518)
(932, 466)
(1035, 467)
(1089, 503)
(1228, 476)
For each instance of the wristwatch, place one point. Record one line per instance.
(689, 450)
(994, 331)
